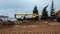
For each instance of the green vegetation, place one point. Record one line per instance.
(35, 11)
(44, 14)
(52, 9)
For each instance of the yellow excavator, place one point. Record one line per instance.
(32, 15)
(58, 12)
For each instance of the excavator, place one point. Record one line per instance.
(58, 12)
(24, 16)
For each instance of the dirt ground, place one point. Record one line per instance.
(38, 27)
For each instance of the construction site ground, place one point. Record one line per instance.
(33, 27)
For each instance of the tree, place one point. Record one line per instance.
(52, 9)
(35, 11)
(44, 14)
(52, 14)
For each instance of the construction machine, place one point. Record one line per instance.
(24, 16)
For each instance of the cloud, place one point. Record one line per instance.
(21, 6)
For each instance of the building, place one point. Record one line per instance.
(4, 17)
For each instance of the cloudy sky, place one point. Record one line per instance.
(10, 7)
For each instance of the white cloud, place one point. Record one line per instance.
(25, 5)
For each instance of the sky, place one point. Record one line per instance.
(11, 7)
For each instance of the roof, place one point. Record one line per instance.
(4, 17)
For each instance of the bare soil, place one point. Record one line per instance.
(38, 27)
